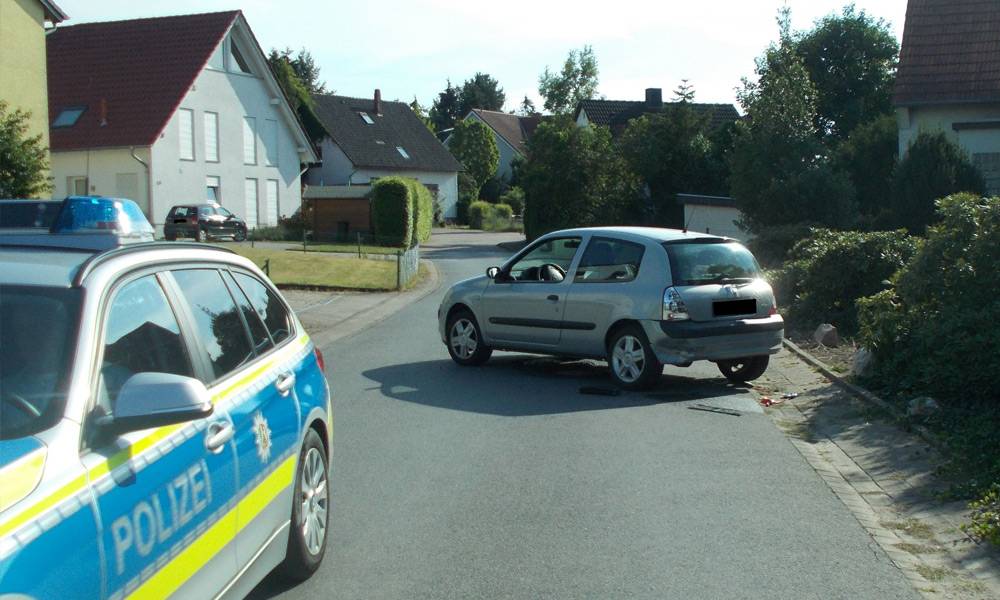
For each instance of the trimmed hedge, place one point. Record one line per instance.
(423, 202)
(478, 211)
(393, 211)
(503, 211)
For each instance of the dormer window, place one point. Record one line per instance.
(69, 116)
(237, 63)
(402, 152)
(366, 118)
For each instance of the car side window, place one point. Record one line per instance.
(268, 306)
(258, 332)
(220, 328)
(141, 335)
(222, 211)
(206, 211)
(537, 264)
(609, 260)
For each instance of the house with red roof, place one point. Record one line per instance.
(173, 110)
(949, 78)
(511, 134)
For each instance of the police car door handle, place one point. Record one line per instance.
(219, 433)
(284, 383)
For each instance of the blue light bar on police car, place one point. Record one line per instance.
(89, 223)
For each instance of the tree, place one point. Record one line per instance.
(24, 163)
(575, 177)
(684, 92)
(297, 93)
(851, 59)
(577, 81)
(527, 107)
(473, 145)
(482, 91)
(669, 152)
(932, 168)
(445, 109)
(305, 68)
(421, 114)
(780, 174)
(868, 156)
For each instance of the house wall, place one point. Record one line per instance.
(23, 79)
(337, 169)
(581, 119)
(983, 145)
(717, 220)
(109, 172)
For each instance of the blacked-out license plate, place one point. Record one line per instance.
(731, 308)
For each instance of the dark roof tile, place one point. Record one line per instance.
(515, 129)
(617, 113)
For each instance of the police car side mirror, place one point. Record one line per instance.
(156, 399)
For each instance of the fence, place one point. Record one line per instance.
(407, 266)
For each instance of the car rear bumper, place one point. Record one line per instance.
(685, 341)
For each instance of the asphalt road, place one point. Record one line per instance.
(505, 482)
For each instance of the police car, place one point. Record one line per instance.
(165, 424)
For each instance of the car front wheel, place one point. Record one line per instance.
(240, 235)
(465, 340)
(741, 370)
(633, 364)
(310, 512)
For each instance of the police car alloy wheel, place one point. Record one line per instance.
(310, 511)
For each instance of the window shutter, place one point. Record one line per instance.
(211, 137)
(249, 141)
(250, 195)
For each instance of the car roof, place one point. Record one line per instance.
(40, 266)
(656, 234)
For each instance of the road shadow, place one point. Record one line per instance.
(459, 251)
(519, 386)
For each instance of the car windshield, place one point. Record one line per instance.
(37, 333)
(700, 263)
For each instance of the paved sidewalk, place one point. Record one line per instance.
(886, 477)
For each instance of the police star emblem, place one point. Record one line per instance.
(262, 436)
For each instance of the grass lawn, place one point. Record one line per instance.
(297, 268)
(351, 249)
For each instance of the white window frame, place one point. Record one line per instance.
(185, 139)
(269, 202)
(214, 181)
(366, 118)
(402, 152)
(249, 144)
(211, 134)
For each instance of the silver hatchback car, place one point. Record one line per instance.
(636, 297)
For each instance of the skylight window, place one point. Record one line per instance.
(69, 116)
(402, 152)
(366, 118)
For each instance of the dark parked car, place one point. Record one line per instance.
(28, 214)
(203, 221)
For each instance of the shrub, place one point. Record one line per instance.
(985, 525)
(771, 245)
(467, 191)
(830, 270)
(478, 211)
(393, 211)
(423, 205)
(503, 211)
(514, 198)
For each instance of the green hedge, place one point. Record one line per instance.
(478, 212)
(830, 270)
(423, 201)
(503, 211)
(393, 211)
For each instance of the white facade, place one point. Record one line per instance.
(981, 141)
(338, 170)
(716, 220)
(208, 126)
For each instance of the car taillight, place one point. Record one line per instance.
(674, 308)
(194, 219)
(319, 360)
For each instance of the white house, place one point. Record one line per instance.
(173, 110)
(949, 79)
(511, 134)
(371, 138)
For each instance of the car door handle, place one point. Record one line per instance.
(219, 434)
(284, 383)
(553, 298)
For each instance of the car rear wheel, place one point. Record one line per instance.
(465, 340)
(632, 362)
(200, 235)
(745, 369)
(310, 512)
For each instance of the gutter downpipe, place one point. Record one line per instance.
(149, 182)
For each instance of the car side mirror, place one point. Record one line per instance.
(156, 399)
(492, 272)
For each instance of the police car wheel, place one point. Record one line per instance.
(310, 512)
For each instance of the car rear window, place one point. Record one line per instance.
(707, 262)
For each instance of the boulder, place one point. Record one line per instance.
(922, 406)
(861, 364)
(826, 335)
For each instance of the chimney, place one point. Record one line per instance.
(654, 98)
(378, 101)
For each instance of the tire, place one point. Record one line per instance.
(631, 360)
(200, 235)
(307, 534)
(742, 370)
(239, 235)
(465, 340)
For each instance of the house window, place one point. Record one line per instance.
(402, 152)
(249, 141)
(250, 201)
(211, 137)
(213, 189)
(270, 135)
(237, 64)
(366, 118)
(76, 185)
(68, 116)
(988, 164)
(271, 202)
(185, 120)
(218, 59)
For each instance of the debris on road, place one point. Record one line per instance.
(716, 409)
(789, 395)
(767, 402)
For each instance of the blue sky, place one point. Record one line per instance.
(411, 47)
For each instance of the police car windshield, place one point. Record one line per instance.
(37, 334)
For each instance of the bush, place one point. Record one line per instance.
(830, 270)
(393, 211)
(478, 211)
(467, 191)
(985, 525)
(503, 211)
(514, 198)
(423, 204)
(771, 245)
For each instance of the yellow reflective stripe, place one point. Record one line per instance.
(20, 477)
(172, 576)
(66, 491)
